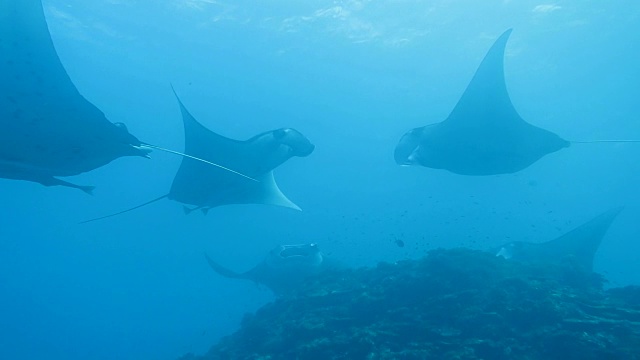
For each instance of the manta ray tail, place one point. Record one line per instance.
(125, 211)
(145, 145)
(221, 270)
(606, 141)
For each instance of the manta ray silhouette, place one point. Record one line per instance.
(206, 187)
(284, 268)
(47, 128)
(484, 134)
(578, 246)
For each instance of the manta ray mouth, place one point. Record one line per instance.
(289, 251)
(302, 151)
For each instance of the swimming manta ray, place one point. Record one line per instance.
(47, 128)
(206, 187)
(257, 157)
(484, 134)
(578, 246)
(284, 268)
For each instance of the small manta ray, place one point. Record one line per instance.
(206, 187)
(484, 134)
(577, 247)
(284, 268)
(47, 128)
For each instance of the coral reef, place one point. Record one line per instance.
(452, 304)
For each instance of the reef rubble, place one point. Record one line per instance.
(451, 304)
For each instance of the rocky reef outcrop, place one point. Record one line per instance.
(452, 304)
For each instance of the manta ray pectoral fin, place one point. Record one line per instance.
(583, 241)
(19, 171)
(223, 271)
(272, 195)
(88, 189)
(487, 87)
(55, 181)
(187, 210)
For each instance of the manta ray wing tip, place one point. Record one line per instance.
(88, 189)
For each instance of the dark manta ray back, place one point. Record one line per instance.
(47, 128)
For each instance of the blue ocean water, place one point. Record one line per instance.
(353, 76)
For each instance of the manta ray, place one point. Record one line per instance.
(205, 187)
(47, 128)
(483, 134)
(577, 247)
(284, 268)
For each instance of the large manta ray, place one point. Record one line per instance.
(47, 128)
(484, 134)
(284, 268)
(203, 186)
(577, 247)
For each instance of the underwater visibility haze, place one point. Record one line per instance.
(354, 77)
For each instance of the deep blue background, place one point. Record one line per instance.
(351, 75)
